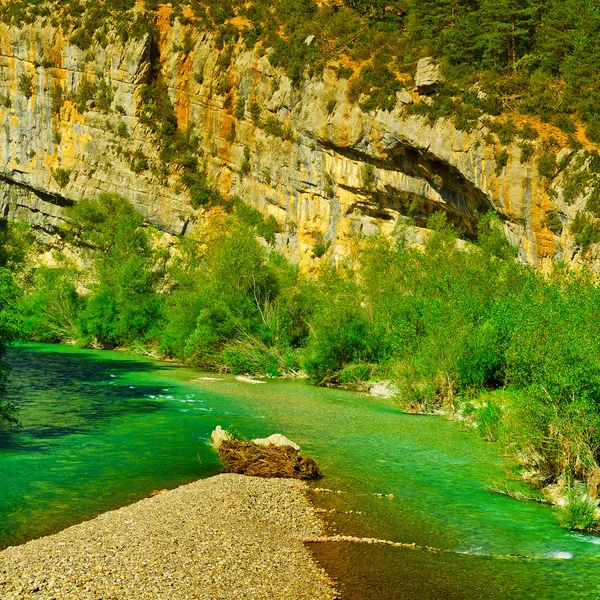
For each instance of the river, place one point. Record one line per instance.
(103, 429)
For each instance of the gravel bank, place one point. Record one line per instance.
(229, 536)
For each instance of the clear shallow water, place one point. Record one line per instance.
(103, 429)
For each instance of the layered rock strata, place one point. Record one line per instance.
(324, 168)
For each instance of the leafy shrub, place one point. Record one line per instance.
(547, 165)
(579, 511)
(274, 127)
(139, 162)
(26, 85)
(585, 230)
(86, 91)
(240, 107)
(379, 86)
(61, 176)
(592, 131)
(321, 248)
(505, 130)
(245, 164)
(230, 137)
(235, 434)
(104, 95)
(565, 123)
(489, 420)
(528, 132)
(188, 42)
(501, 158)
(575, 184)
(553, 222)
(345, 72)
(342, 337)
(266, 227)
(255, 111)
(593, 202)
(527, 151)
(224, 86)
(201, 193)
(58, 99)
(122, 130)
(367, 175)
(50, 305)
(353, 374)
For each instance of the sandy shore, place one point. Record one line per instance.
(229, 536)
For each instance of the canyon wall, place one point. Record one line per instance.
(324, 168)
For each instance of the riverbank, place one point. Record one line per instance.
(228, 536)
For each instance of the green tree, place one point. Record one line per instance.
(123, 306)
(9, 330)
(507, 31)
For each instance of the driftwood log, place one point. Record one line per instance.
(246, 458)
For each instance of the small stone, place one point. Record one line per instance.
(404, 97)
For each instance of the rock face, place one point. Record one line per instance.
(428, 76)
(321, 166)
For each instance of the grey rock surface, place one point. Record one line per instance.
(428, 76)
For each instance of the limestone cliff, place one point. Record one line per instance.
(304, 154)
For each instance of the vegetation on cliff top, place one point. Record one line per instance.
(533, 56)
(512, 350)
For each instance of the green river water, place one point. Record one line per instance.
(103, 429)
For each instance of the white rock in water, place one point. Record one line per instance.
(248, 379)
(218, 436)
(277, 440)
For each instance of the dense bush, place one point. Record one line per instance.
(579, 511)
(51, 305)
(586, 231)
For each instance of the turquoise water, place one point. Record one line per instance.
(102, 429)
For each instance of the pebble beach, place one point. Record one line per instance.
(229, 536)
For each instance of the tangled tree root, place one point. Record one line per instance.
(246, 458)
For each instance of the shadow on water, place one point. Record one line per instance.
(61, 380)
(100, 429)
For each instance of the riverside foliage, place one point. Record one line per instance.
(461, 326)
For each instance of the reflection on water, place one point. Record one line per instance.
(102, 429)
